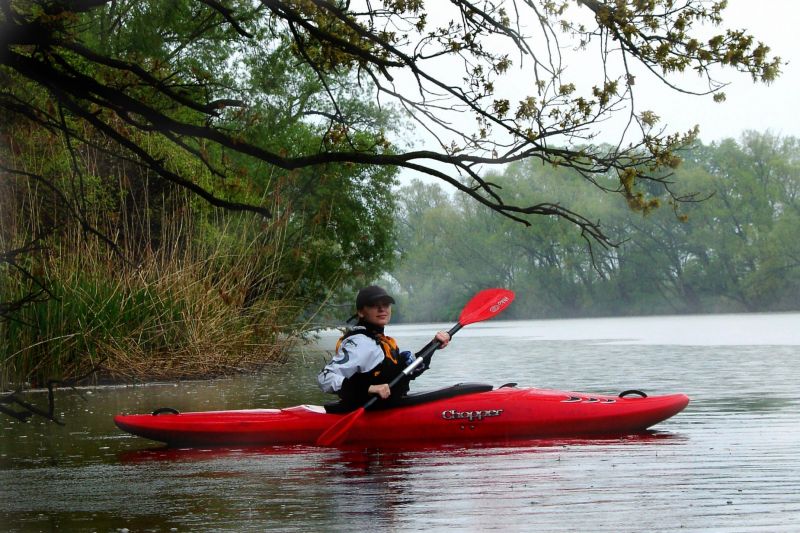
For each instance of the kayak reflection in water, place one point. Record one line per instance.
(366, 360)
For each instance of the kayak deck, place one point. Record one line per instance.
(506, 413)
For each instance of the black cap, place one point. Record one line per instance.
(370, 295)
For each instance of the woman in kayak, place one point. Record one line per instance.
(366, 360)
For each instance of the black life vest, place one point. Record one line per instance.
(354, 389)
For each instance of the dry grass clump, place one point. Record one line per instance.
(186, 311)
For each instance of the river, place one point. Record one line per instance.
(729, 462)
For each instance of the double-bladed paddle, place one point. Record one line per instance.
(483, 306)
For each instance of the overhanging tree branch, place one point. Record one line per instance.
(377, 47)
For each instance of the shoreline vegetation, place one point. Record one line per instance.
(114, 275)
(183, 291)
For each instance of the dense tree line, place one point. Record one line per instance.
(734, 248)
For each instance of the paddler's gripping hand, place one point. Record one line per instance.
(444, 338)
(381, 390)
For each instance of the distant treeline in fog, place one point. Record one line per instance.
(734, 246)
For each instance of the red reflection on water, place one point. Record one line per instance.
(361, 458)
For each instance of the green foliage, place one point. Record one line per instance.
(210, 292)
(734, 251)
(339, 217)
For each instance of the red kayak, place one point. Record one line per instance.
(463, 413)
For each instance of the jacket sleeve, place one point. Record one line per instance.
(356, 355)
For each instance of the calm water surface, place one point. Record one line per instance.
(730, 462)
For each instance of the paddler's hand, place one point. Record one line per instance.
(444, 338)
(381, 390)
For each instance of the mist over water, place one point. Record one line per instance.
(727, 463)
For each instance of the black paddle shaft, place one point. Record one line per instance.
(424, 355)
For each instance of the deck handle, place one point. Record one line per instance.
(632, 391)
(166, 410)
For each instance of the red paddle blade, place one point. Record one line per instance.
(336, 434)
(485, 305)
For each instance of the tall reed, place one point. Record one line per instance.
(174, 315)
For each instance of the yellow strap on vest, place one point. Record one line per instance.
(389, 345)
